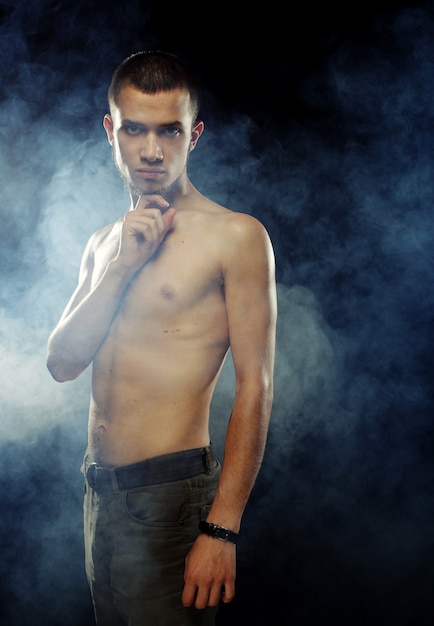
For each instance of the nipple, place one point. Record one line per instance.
(167, 291)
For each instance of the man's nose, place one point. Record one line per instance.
(150, 149)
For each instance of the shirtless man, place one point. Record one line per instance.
(163, 294)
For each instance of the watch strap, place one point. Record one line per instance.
(219, 532)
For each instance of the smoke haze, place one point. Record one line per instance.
(327, 140)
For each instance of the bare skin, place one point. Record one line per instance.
(163, 294)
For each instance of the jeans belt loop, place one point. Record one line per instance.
(114, 479)
(207, 458)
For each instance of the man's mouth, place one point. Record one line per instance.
(148, 173)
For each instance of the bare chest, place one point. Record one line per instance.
(183, 278)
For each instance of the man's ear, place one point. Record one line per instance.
(196, 133)
(108, 126)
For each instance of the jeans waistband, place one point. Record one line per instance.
(160, 469)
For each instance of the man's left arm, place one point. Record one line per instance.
(250, 292)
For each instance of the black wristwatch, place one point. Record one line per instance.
(224, 534)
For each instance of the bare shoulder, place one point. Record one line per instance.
(101, 235)
(245, 226)
(235, 226)
(242, 239)
(243, 234)
(98, 241)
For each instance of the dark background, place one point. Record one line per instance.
(319, 121)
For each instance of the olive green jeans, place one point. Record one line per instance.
(136, 542)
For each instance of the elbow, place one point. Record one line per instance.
(266, 387)
(59, 371)
(268, 396)
(57, 375)
(56, 372)
(260, 389)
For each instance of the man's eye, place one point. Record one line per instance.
(171, 132)
(132, 129)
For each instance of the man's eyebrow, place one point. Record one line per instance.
(165, 125)
(132, 122)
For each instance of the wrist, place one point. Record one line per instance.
(219, 532)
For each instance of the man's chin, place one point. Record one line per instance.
(143, 190)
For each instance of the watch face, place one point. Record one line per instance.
(222, 533)
(217, 531)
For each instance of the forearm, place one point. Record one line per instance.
(81, 330)
(243, 453)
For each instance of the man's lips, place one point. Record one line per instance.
(149, 174)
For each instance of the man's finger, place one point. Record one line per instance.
(215, 595)
(147, 201)
(189, 594)
(228, 593)
(202, 598)
(168, 216)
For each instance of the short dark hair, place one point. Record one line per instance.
(151, 71)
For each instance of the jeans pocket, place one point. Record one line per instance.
(156, 508)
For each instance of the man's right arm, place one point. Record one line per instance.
(86, 319)
(88, 315)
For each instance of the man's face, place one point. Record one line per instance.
(151, 137)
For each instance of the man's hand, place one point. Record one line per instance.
(209, 573)
(143, 230)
